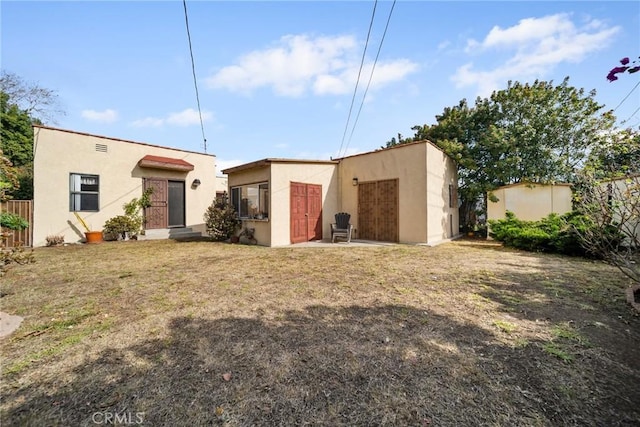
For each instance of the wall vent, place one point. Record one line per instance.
(102, 148)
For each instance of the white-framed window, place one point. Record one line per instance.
(84, 192)
(251, 201)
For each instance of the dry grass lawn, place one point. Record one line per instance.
(199, 333)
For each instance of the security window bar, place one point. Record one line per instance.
(84, 193)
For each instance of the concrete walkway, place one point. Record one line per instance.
(8, 324)
(339, 244)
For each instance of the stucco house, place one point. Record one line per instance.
(406, 194)
(530, 202)
(95, 175)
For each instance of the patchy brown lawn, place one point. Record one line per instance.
(201, 333)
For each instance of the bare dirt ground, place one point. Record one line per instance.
(199, 333)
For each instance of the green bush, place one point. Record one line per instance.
(12, 221)
(555, 233)
(117, 226)
(221, 220)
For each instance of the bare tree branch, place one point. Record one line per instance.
(39, 102)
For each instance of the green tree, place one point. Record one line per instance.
(617, 156)
(526, 133)
(8, 178)
(16, 132)
(22, 104)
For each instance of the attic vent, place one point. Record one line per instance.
(101, 148)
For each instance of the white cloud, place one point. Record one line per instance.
(147, 122)
(186, 117)
(297, 64)
(283, 145)
(536, 46)
(106, 116)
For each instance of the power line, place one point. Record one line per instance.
(193, 69)
(375, 61)
(629, 94)
(355, 90)
(631, 116)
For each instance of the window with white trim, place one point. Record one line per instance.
(251, 201)
(84, 192)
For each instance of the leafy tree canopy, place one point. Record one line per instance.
(537, 132)
(22, 104)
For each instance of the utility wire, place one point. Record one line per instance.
(193, 69)
(375, 61)
(631, 116)
(355, 90)
(629, 94)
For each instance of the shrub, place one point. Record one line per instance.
(132, 220)
(221, 220)
(116, 227)
(55, 240)
(16, 255)
(555, 233)
(12, 221)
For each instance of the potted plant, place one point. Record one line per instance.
(91, 236)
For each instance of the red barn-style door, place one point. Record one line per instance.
(306, 212)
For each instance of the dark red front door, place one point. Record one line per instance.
(156, 215)
(306, 212)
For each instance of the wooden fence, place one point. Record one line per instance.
(23, 208)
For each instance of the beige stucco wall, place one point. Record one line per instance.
(282, 174)
(423, 174)
(530, 202)
(276, 231)
(442, 219)
(58, 153)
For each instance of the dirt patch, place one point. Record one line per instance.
(633, 297)
(8, 324)
(200, 333)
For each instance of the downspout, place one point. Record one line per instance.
(339, 185)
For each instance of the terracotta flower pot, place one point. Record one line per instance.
(93, 236)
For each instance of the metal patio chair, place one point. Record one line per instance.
(341, 228)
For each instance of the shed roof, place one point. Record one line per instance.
(269, 161)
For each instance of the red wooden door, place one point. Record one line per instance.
(156, 216)
(314, 211)
(306, 212)
(298, 212)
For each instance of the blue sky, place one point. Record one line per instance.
(276, 79)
